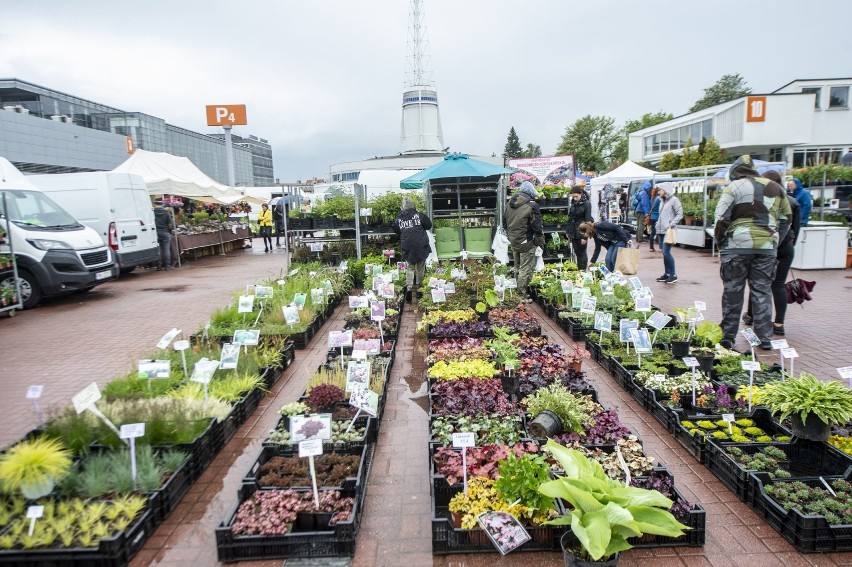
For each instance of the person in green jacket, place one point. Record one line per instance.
(522, 221)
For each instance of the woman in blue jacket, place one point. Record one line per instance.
(654, 215)
(803, 196)
(609, 235)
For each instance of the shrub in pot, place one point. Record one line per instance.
(33, 467)
(813, 405)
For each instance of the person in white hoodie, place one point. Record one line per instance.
(671, 212)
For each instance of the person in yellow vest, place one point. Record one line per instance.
(264, 219)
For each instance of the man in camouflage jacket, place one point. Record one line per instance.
(747, 234)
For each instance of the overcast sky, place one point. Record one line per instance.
(323, 79)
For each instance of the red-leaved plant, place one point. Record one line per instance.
(481, 461)
(325, 396)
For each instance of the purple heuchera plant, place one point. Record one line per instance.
(605, 429)
(272, 512)
(471, 396)
(664, 484)
(451, 329)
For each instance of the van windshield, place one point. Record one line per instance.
(34, 210)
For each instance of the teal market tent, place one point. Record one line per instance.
(453, 165)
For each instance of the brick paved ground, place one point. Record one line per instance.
(395, 528)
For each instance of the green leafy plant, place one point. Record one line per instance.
(573, 410)
(829, 400)
(708, 333)
(520, 478)
(603, 512)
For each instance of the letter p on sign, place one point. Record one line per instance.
(226, 115)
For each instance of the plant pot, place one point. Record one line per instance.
(679, 348)
(570, 543)
(545, 424)
(813, 428)
(510, 383)
(705, 363)
(576, 366)
(33, 490)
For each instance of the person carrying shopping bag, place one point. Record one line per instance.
(671, 212)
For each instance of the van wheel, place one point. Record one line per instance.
(30, 290)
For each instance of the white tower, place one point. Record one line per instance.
(421, 121)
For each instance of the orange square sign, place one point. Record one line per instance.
(226, 115)
(756, 109)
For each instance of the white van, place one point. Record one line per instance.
(116, 205)
(55, 254)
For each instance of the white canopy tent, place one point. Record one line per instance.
(624, 173)
(165, 174)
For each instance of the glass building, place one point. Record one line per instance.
(47, 131)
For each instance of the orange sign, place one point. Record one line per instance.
(756, 109)
(128, 144)
(226, 115)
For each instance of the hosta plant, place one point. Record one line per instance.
(830, 401)
(602, 512)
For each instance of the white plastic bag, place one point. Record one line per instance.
(433, 256)
(539, 259)
(500, 245)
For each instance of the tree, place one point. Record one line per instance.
(513, 145)
(532, 150)
(592, 141)
(669, 162)
(712, 154)
(727, 88)
(690, 157)
(619, 154)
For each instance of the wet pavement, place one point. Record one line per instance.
(72, 341)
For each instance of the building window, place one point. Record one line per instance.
(817, 91)
(816, 156)
(838, 97)
(776, 154)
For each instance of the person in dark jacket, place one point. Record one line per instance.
(643, 207)
(411, 226)
(522, 221)
(579, 212)
(788, 234)
(609, 235)
(165, 227)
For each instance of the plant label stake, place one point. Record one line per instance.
(463, 441)
(310, 449)
(181, 346)
(132, 431)
(779, 344)
(729, 417)
(751, 366)
(259, 313)
(846, 374)
(827, 486)
(86, 399)
(351, 423)
(691, 362)
(34, 513)
(623, 464)
(791, 354)
(34, 393)
(168, 337)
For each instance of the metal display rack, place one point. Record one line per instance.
(462, 198)
(10, 272)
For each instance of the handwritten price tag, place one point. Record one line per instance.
(461, 440)
(751, 365)
(310, 448)
(789, 353)
(132, 430)
(34, 392)
(779, 343)
(690, 361)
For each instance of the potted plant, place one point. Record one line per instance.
(707, 334)
(556, 409)
(603, 512)
(813, 405)
(506, 350)
(576, 356)
(33, 467)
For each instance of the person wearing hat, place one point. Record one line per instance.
(803, 196)
(522, 221)
(746, 230)
(579, 212)
(411, 226)
(165, 227)
(643, 207)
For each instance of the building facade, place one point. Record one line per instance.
(805, 122)
(47, 131)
